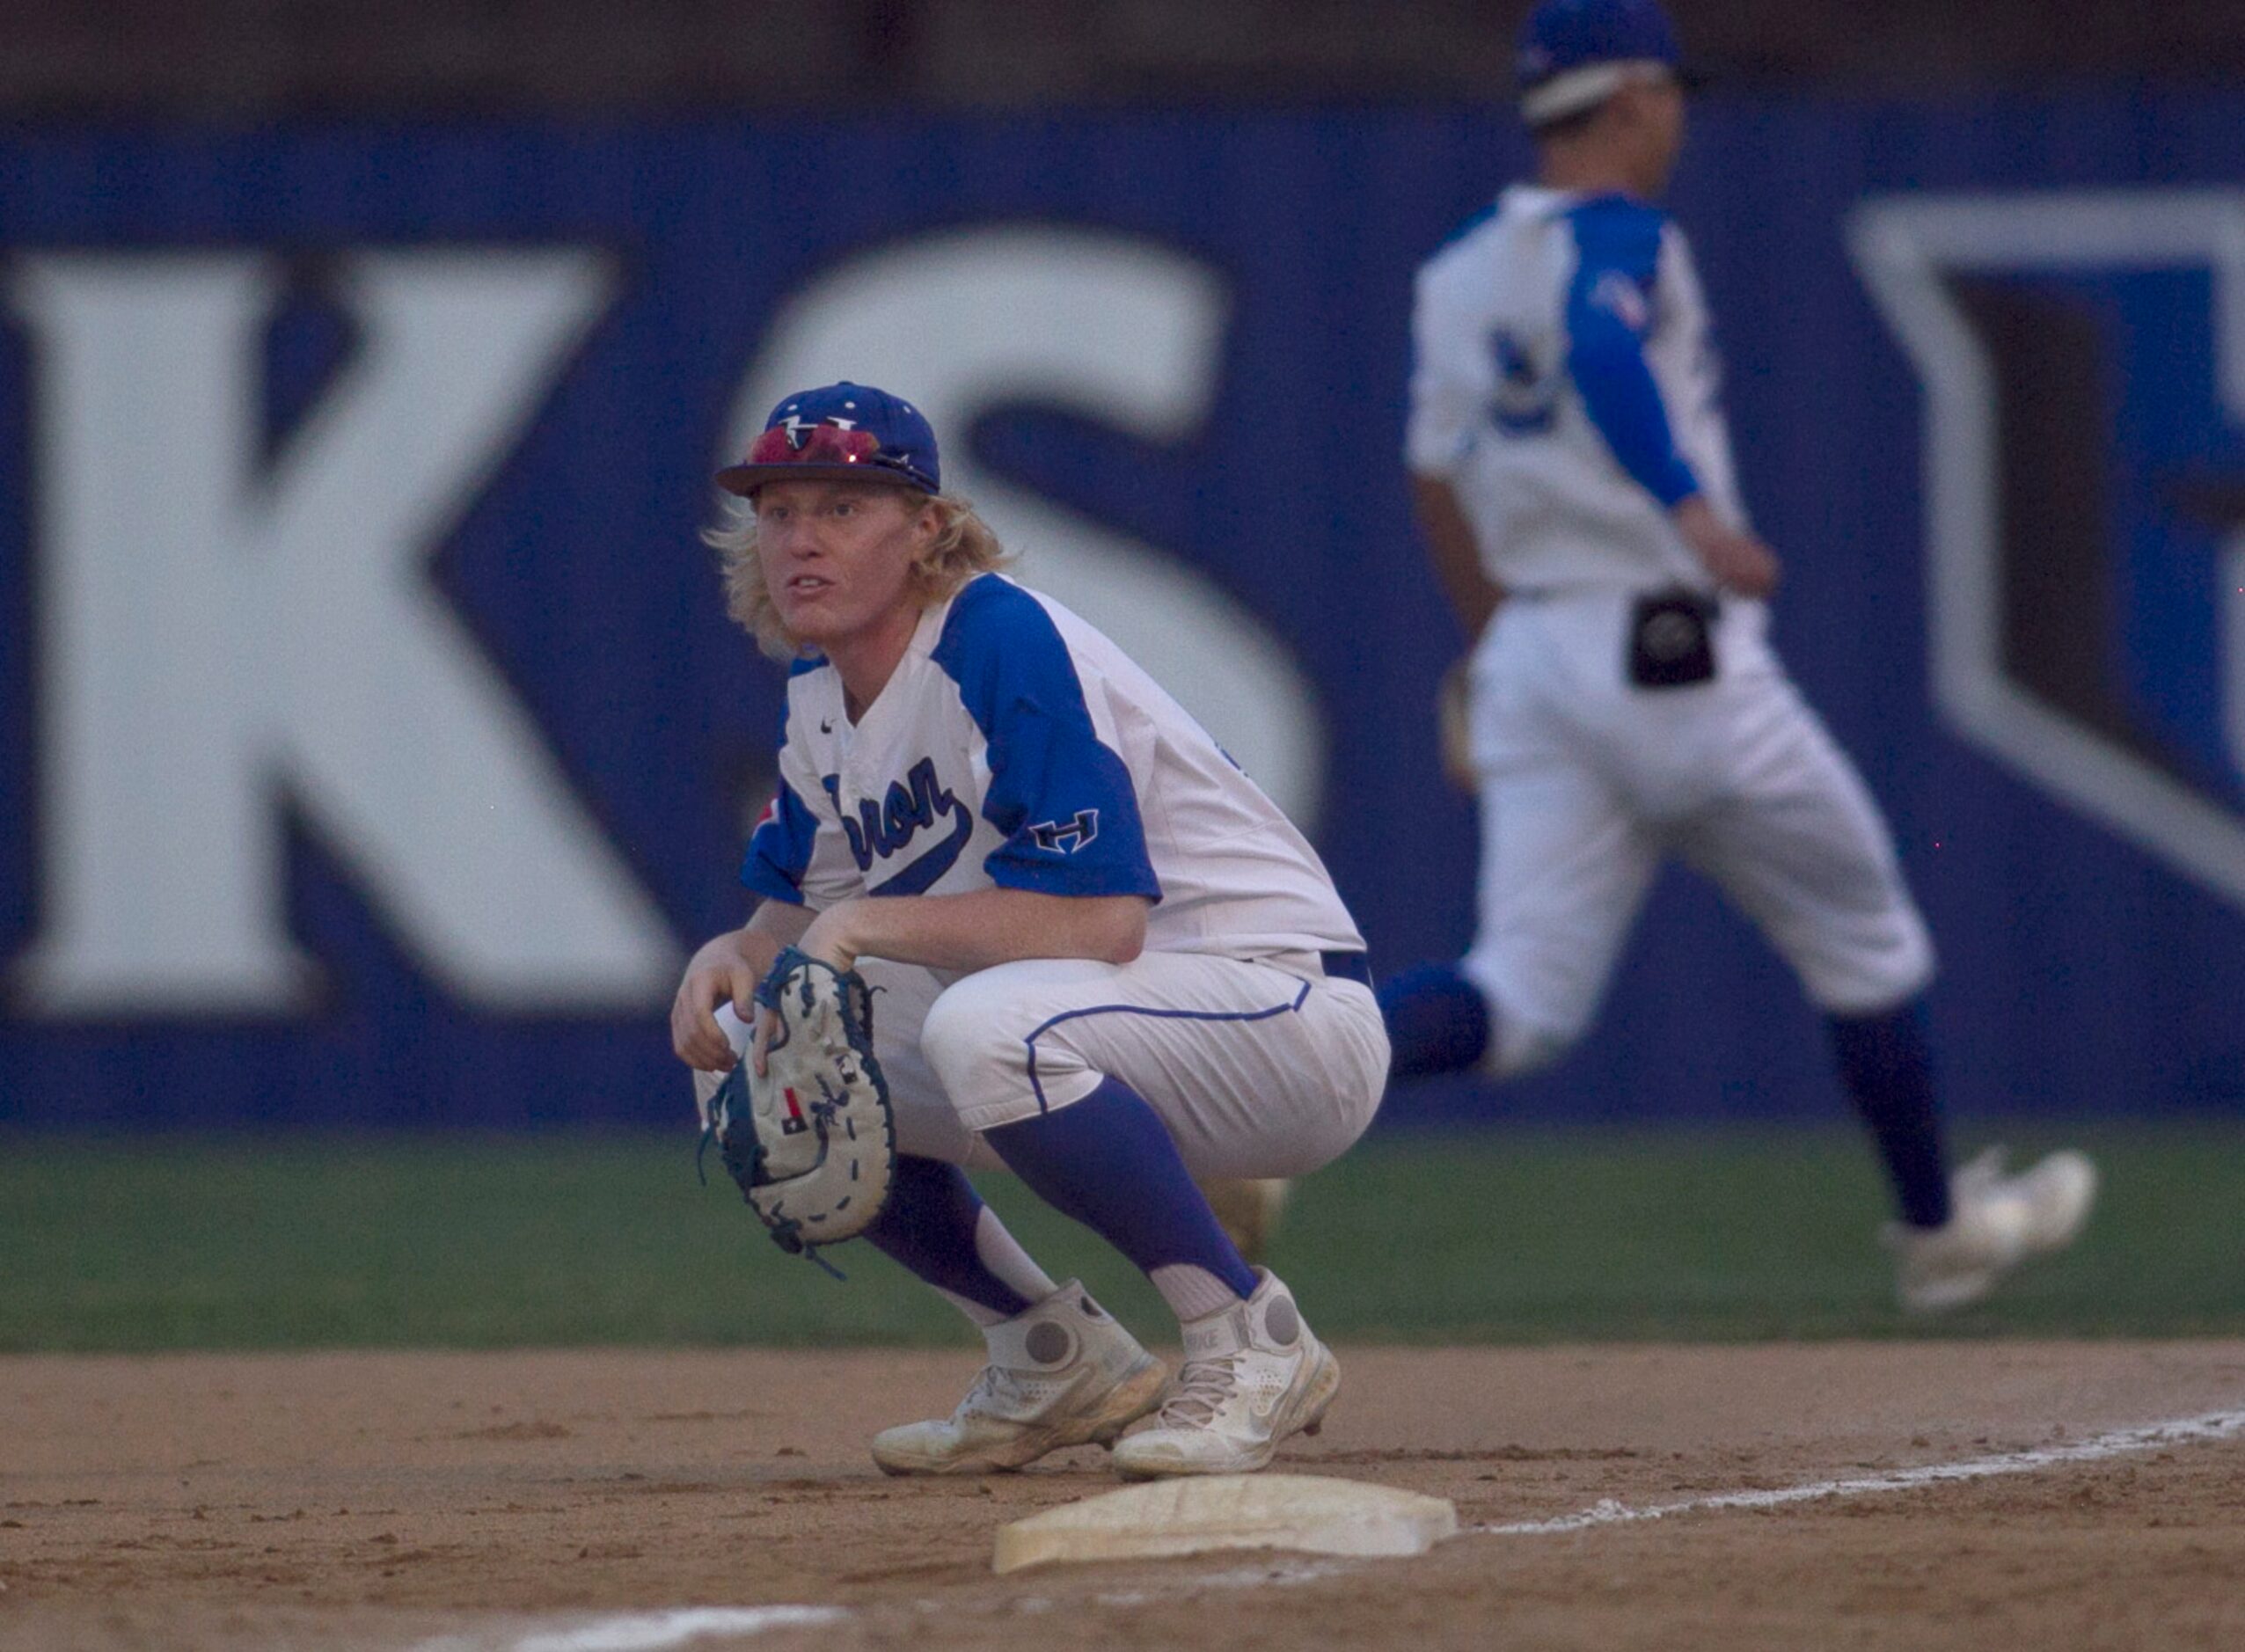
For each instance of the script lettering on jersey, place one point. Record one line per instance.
(882, 830)
(1066, 837)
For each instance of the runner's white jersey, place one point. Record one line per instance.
(1566, 386)
(1016, 746)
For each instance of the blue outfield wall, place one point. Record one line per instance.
(375, 745)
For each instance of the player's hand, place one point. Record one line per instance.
(726, 969)
(1738, 561)
(827, 939)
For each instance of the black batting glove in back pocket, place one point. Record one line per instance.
(1671, 639)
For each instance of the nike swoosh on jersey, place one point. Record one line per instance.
(922, 875)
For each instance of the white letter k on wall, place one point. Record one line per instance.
(209, 636)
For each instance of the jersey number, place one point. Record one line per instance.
(1526, 398)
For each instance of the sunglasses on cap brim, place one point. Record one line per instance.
(826, 444)
(825, 448)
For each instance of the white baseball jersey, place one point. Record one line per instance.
(1566, 386)
(1015, 747)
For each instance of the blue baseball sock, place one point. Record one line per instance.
(1108, 1162)
(1882, 1061)
(932, 1224)
(1438, 1020)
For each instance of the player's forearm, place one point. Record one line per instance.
(777, 923)
(730, 965)
(985, 927)
(1738, 561)
(1455, 553)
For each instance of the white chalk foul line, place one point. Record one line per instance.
(2214, 1425)
(654, 1632)
(643, 1630)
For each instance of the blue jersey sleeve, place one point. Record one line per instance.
(1061, 795)
(1609, 308)
(779, 849)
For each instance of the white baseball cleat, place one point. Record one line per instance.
(1062, 1372)
(1996, 1221)
(1253, 1374)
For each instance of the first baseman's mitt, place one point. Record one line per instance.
(812, 1143)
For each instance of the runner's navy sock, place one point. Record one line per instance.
(1108, 1162)
(934, 1224)
(1438, 1020)
(1882, 1061)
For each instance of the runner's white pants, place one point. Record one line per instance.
(1588, 783)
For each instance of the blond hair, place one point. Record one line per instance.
(964, 546)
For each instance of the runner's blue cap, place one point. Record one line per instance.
(1575, 54)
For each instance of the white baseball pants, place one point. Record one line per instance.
(1265, 1068)
(1588, 783)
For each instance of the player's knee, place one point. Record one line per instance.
(1525, 1037)
(971, 1030)
(1874, 978)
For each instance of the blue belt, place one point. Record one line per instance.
(1347, 966)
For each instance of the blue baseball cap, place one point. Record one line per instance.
(839, 433)
(1575, 53)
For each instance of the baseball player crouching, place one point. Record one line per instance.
(1573, 478)
(1103, 958)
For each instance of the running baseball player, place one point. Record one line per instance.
(1103, 960)
(1572, 475)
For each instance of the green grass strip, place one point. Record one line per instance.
(1496, 1236)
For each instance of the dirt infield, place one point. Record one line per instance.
(490, 1502)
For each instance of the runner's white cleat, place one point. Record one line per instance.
(1061, 1373)
(1253, 1374)
(1996, 1221)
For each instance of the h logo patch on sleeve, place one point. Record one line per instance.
(1066, 837)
